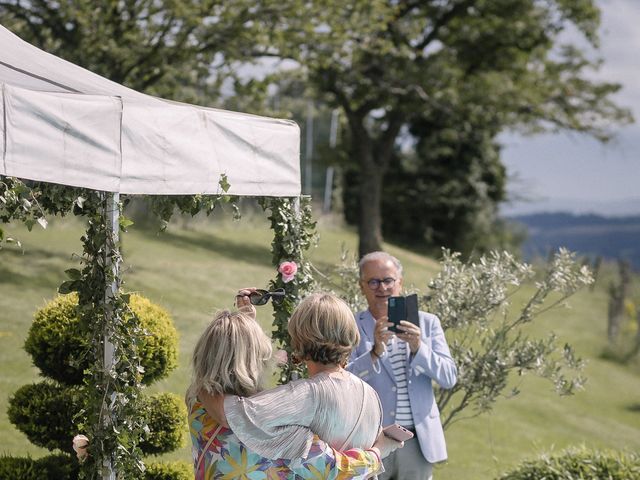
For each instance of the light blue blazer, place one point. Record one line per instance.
(431, 362)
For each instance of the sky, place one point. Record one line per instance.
(574, 173)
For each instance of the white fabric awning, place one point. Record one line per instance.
(61, 123)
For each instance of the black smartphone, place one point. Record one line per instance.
(402, 308)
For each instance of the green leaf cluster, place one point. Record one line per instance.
(486, 331)
(581, 463)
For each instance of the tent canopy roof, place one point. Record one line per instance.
(61, 123)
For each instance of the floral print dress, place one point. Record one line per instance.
(227, 458)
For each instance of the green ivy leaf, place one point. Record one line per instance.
(69, 286)
(224, 183)
(29, 223)
(73, 273)
(125, 222)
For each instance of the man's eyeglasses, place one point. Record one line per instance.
(261, 297)
(375, 283)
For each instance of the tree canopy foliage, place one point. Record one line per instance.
(397, 69)
(167, 48)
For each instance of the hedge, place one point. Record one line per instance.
(66, 467)
(579, 463)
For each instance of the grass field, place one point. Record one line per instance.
(195, 268)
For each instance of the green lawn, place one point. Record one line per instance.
(195, 268)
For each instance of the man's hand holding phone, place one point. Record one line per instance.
(381, 335)
(404, 319)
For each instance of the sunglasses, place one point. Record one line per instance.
(261, 297)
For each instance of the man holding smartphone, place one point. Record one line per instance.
(401, 367)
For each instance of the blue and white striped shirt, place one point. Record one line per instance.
(397, 351)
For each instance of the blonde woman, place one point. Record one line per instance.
(333, 403)
(230, 358)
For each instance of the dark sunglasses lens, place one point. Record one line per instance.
(277, 296)
(257, 298)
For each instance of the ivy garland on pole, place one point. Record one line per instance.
(113, 382)
(294, 232)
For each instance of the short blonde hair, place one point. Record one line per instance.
(230, 357)
(323, 329)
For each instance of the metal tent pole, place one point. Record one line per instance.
(112, 214)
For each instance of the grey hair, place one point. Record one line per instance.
(230, 357)
(370, 257)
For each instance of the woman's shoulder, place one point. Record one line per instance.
(201, 421)
(369, 390)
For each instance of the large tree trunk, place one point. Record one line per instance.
(373, 156)
(370, 221)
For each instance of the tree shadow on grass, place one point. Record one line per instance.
(236, 250)
(38, 271)
(634, 407)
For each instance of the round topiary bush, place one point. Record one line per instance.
(58, 467)
(169, 471)
(579, 463)
(165, 414)
(44, 413)
(66, 467)
(60, 350)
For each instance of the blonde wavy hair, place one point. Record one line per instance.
(323, 329)
(230, 357)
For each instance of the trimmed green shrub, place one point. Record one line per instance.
(158, 349)
(166, 415)
(44, 413)
(169, 471)
(59, 348)
(58, 466)
(55, 341)
(17, 467)
(53, 467)
(579, 463)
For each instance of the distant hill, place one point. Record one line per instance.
(593, 235)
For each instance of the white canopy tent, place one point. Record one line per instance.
(63, 124)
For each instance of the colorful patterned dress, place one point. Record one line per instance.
(227, 458)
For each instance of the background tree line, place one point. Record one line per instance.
(424, 87)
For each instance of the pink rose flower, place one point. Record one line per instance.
(80, 444)
(288, 271)
(281, 357)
